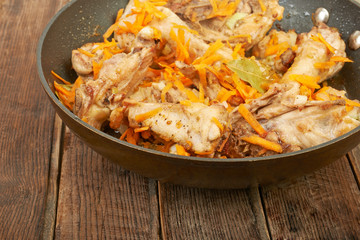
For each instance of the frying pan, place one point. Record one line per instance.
(83, 21)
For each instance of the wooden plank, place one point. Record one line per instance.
(322, 205)
(100, 200)
(354, 157)
(52, 191)
(192, 213)
(26, 120)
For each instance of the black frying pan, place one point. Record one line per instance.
(85, 21)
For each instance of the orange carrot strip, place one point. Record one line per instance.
(180, 150)
(320, 38)
(142, 129)
(60, 78)
(168, 86)
(110, 31)
(218, 123)
(122, 137)
(308, 81)
(254, 139)
(86, 52)
(119, 14)
(143, 116)
(262, 5)
(340, 59)
(246, 114)
(96, 69)
(324, 65)
(185, 102)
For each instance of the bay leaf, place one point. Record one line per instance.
(252, 71)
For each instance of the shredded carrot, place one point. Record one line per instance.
(119, 14)
(212, 49)
(262, 5)
(254, 139)
(132, 137)
(238, 50)
(320, 38)
(352, 103)
(294, 48)
(106, 44)
(66, 94)
(340, 59)
(110, 31)
(168, 86)
(247, 36)
(185, 102)
(201, 93)
(223, 8)
(180, 150)
(227, 95)
(202, 73)
(191, 95)
(96, 69)
(185, 28)
(277, 49)
(142, 129)
(60, 78)
(179, 85)
(324, 65)
(308, 81)
(86, 52)
(218, 123)
(247, 115)
(143, 116)
(182, 52)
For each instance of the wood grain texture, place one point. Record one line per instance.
(322, 205)
(53, 183)
(191, 213)
(354, 157)
(100, 200)
(26, 120)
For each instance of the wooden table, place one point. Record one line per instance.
(53, 186)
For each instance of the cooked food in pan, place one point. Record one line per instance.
(209, 78)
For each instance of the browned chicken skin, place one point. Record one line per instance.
(118, 77)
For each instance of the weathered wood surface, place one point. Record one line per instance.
(100, 200)
(27, 120)
(192, 213)
(53, 186)
(322, 205)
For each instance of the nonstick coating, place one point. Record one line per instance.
(85, 21)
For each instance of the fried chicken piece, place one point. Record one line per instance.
(118, 77)
(83, 64)
(197, 46)
(291, 120)
(250, 28)
(276, 49)
(191, 126)
(311, 52)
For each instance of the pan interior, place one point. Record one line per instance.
(83, 21)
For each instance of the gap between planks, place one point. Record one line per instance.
(53, 182)
(354, 161)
